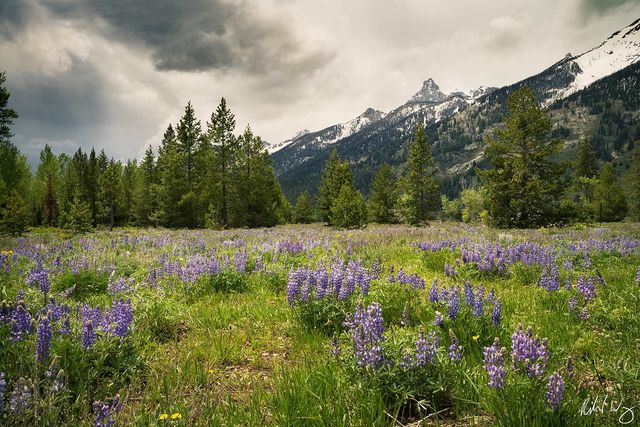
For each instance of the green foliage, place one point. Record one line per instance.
(609, 202)
(384, 196)
(451, 209)
(303, 211)
(349, 210)
(524, 186)
(14, 214)
(84, 284)
(632, 179)
(78, 218)
(474, 201)
(420, 185)
(227, 281)
(336, 174)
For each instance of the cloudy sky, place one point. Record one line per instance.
(114, 73)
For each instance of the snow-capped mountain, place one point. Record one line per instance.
(331, 134)
(619, 51)
(577, 90)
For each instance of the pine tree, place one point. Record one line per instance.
(225, 146)
(128, 192)
(336, 174)
(609, 202)
(632, 179)
(384, 196)
(524, 186)
(421, 185)
(170, 181)
(145, 189)
(79, 216)
(14, 172)
(93, 175)
(109, 190)
(303, 213)
(585, 164)
(188, 135)
(45, 188)
(349, 209)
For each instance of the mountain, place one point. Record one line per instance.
(592, 95)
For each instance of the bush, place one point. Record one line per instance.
(349, 210)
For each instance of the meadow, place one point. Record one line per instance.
(448, 324)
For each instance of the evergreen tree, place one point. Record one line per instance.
(188, 135)
(584, 178)
(349, 209)
(632, 179)
(79, 216)
(170, 177)
(585, 164)
(303, 213)
(92, 177)
(524, 186)
(384, 196)
(145, 189)
(14, 172)
(45, 188)
(609, 202)
(109, 189)
(225, 146)
(421, 185)
(336, 174)
(128, 191)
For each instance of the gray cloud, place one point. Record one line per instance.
(598, 7)
(13, 17)
(197, 35)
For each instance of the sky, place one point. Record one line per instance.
(114, 73)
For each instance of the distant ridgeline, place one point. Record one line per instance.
(592, 96)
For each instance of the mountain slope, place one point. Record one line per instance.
(593, 95)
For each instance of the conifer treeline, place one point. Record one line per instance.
(202, 176)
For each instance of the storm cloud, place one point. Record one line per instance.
(114, 73)
(196, 35)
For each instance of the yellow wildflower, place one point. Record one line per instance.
(475, 337)
(176, 416)
(163, 417)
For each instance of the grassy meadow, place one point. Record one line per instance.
(306, 325)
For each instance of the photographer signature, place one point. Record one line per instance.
(606, 404)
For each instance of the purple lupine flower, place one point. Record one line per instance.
(496, 313)
(587, 288)
(366, 327)
(454, 303)
(55, 376)
(491, 296)
(20, 396)
(104, 413)
(119, 286)
(259, 264)
(407, 361)
(469, 297)
(40, 277)
(322, 281)
(567, 284)
(478, 302)
(65, 327)
(439, 319)
(21, 322)
(528, 351)
(3, 391)
(293, 287)
(555, 390)
(584, 314)
(455, 349)
(405, 321)
(43, 340)
(493, 358)
(426, 348)
(567, 264)
(335, 346)
(120, 317)
(449, 270)
(240, 261)
(433, 292)
(572, 304)
(88, 336)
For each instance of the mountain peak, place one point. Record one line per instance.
(430, 92)
(372, 114)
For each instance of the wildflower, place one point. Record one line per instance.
(493, 357)
(405, 321)
(587, 288)
(638, 276)
(455, 349)
(39, 277)
(3, 390)
(475, 337)
(163, 417)
(407, 361)
(496, 313)
(20, 322)
(433, 292)
(426, 348)
(88, 334)
(584, 314)
(439, 319)
(468, 293)
(567, 284)
(572, 304)
(491, 296)
(454, 304)
(20, 396)
(335, 346)
(293, 286)
(43, 341)
(176, 416)
(104, 412)
(555, 390)
(366, 327)
(529, 351)
(478, 302)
